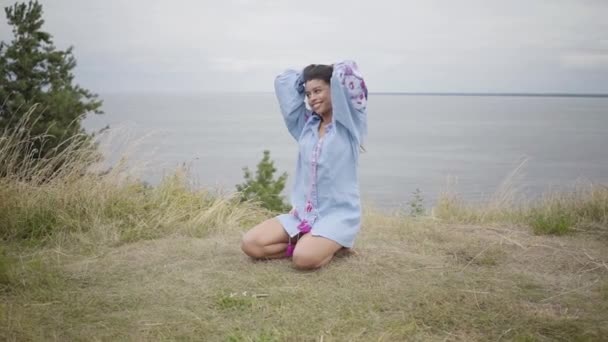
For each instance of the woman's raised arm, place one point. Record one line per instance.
(289, 89)
(349, 99)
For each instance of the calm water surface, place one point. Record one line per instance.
(467, 143)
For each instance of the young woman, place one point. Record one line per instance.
(326, 213)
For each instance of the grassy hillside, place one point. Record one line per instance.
(102, 256)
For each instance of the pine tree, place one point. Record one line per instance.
(33, 71)
(264, 188)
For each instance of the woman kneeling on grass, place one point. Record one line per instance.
(326, 209)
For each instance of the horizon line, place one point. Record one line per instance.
(533, 94)
(389, 93)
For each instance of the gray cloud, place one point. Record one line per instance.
(473, 45)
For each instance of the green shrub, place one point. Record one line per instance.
(263, 188)
(416, 203)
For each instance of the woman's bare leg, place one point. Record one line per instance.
(314, 251)
(267, 240)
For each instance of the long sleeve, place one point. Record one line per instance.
(349, 99)
(289, 90)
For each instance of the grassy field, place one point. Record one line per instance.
(100, 256)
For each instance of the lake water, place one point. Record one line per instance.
(468, 144)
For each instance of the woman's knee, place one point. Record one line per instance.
(307, 261)
(260, 241)
(313, 252)
(251, 246)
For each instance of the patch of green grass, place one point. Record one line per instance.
(264, 336)
(6, 264)
(604, 291)
(234, 301)
(39, 276)
(554, 222)
(525, 338)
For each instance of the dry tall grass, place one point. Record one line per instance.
(583, 208)
(60, 196)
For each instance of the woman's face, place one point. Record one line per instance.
(318, 94)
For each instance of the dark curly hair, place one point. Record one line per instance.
(318, 72)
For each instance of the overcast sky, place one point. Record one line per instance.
(240, 45)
